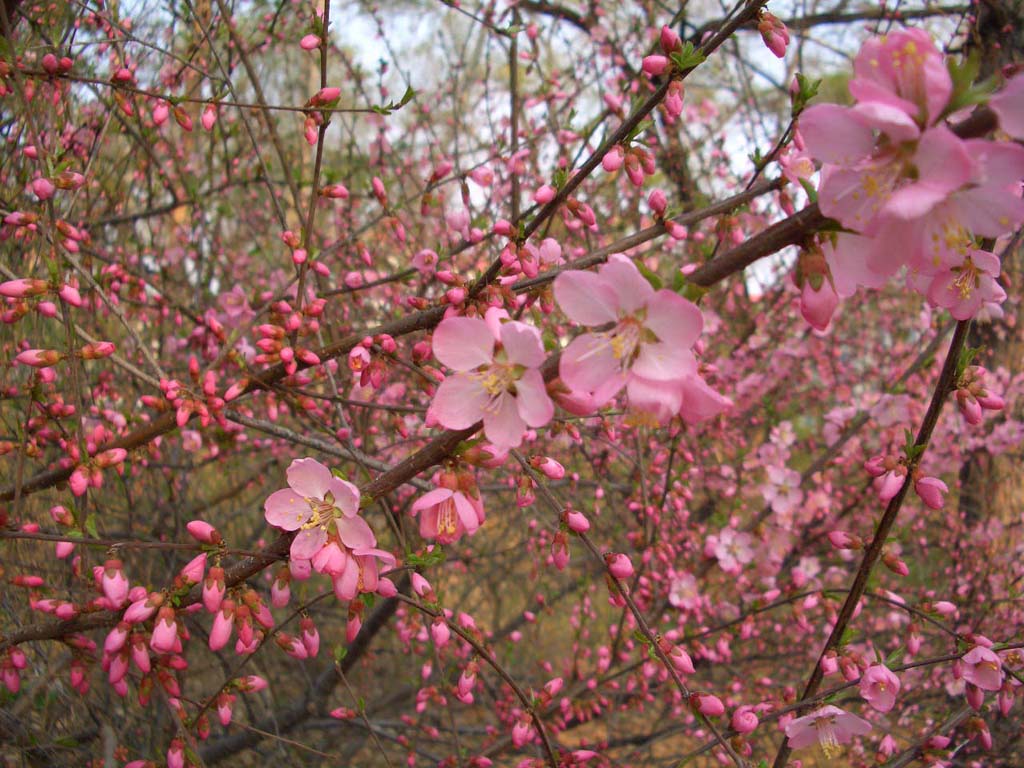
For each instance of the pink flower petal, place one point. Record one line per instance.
(354, 532)
(286, 509)
(467, 513)
(586, 298)
(535, 407)
(835, 134)
(463, 343)
(502, 423)
(631, 288)
(460, 401)
(522, 344)
(674, 320)
(309, 477)
(430, 499)
(589, 363)
(346, 496)
(701, 402)
(307, 543)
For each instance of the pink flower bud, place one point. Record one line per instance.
(655, 65)
(310, 42)
(209, 117)
(334, 192)
(577, 521)
(194, 569)
(744, 720)
(708, 704)
(670, 41)
(545, 194)
(440, 632)
(38, 358)
(613, 158)
(931, 490)
(165, 632)
(114, 583)
(43, 188)
(658, 202)
(203, 532)
(818, 306)
(619, 565)
(774, 33)
(252, 684)
(23, 288)
(844, 540)
(143, 608)
(160, 113)
(325, 97)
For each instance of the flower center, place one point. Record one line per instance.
(967, 280)
(446, 518)
(826, 727)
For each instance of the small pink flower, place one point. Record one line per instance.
(983, 668)
(448, 514)
(829, 726)
(647, 351)
(317, 505)
(879, 686)
(817, 305)
(709, 705)
(502, 387)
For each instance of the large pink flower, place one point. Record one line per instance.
(318, 505)
(829, 726)
(502, 387)
(647, 349)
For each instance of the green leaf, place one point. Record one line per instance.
(806, 90)
(435, 557)
(687, 57)
(90, 525)
(693, 292)
(340, 652)
(812, 193)
(651, 277)
(895, 657)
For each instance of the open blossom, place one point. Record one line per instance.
(879, 686)
(647, 350)
(447, 514)
(496, 377)
(829, 726)
(983, 668)
(318, 505)
(733, 550)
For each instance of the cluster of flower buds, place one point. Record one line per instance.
(972, 396)
(90, 474)
(284, 320)
(890, 473)
(200, 399)
(371, 369)
(637, 161)
(22, 294)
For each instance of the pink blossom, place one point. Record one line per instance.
(818, 304)
(448, 514)
(709, 705)
(619, 565)
(733, 550)
(648, 351)
(655, 65)
(318, 505)
(502, 386)
(983, 668)
(879, 686)
(830, 726)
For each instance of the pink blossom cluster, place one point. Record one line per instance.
(911, 194)
(330, 536)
